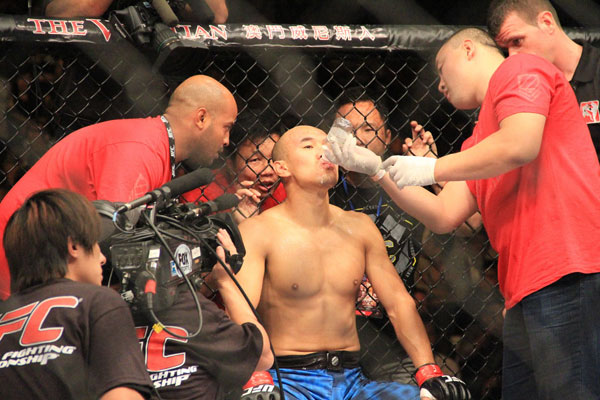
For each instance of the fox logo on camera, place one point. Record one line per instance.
(184, 257)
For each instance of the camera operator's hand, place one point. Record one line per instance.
(76, 8)
(192, 10)
(218, 276)
(235, 304)
(204, 11)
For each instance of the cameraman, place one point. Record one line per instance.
(96, 8)
(121, 160)
(221, 358)
(62, 335)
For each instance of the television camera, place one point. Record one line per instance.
(148, 24)
(152, 251)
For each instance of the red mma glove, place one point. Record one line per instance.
(435, 385)
(260, 387)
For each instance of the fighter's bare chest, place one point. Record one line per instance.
(307, 262)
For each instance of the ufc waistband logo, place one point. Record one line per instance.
(29, 320)
(266, 388)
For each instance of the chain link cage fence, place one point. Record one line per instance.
(59, 75)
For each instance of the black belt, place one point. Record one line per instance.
(329, 360)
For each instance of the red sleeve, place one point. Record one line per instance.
(468, 143)
(522, 83)
(127, 171)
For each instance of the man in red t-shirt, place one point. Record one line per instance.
(531, 170)
(527, 26)
(248, 172)
(121, 160)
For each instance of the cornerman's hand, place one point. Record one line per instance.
(249, 200)
(422, 143)
(352, 157)
(437, 386)
(260, 387)
(410, 171)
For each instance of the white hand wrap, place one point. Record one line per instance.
(343, 151)
(410, 171)
(424, 393)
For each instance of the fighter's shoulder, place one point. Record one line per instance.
(261, 222)
(352, 217)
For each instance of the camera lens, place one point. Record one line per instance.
(164, 38)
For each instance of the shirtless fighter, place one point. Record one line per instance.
(304, 263)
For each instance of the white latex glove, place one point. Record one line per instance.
(410, 170)
(352, 157)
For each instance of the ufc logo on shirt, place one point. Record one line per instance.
(590, 111)
(29, 320)
(166, 370)
(154, 347)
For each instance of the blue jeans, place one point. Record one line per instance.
(320, 384)
(552, 342)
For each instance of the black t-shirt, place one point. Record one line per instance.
(586, 83)
(68, 340)
(221, 358)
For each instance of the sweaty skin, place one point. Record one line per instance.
(312, 281)
(305, 259)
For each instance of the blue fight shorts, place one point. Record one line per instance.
(348, 384)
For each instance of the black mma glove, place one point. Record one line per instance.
(260, 387)
(436, 385)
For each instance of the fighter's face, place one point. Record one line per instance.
(518, 36)
(368, 125)
(305, 159)
(252, 163)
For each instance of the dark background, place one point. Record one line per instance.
(572, 13)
